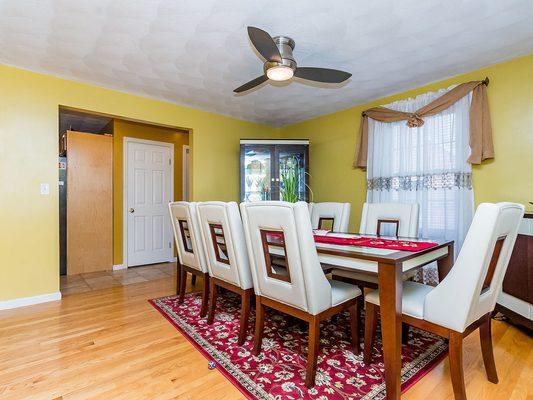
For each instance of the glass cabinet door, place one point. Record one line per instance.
(291, 173)
(274, 171)
(257, 175)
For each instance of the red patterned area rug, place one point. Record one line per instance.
(279, 371)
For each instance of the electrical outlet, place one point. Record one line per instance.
(45, 189)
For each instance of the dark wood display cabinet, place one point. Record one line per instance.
(516, 299)
(266, 163)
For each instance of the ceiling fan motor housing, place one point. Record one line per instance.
(286, 46)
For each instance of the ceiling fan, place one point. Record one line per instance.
(280, 64)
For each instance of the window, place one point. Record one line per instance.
(427, 165)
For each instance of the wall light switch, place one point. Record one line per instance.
(45, 189)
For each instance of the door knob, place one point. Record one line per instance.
(131, 210)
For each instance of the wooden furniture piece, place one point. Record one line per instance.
(314, 328)
(390, 266)
(301, 290)
(227, 257)
(516, 299)
(465, 299)
(89, 202)
(262, 163)
(190, 248)
(374, 221)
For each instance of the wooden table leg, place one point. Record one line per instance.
(445, 264)
(390, 300)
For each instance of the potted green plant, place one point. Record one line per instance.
(290, 180)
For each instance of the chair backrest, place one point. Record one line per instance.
(184, 217)
(330, 214)
(284, 229)
(403, 217)
(471, 288)
(224, 242)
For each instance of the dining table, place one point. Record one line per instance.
(389, 264)
(376, 255)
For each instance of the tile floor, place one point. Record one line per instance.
(71, 284)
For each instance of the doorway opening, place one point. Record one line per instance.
(116, 178)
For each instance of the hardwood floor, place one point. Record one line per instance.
(111, 344)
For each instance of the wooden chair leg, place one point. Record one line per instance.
(178, 278)
(183, 284)
(354, 325)
(456, 365)
(405, 333)
(245, 315)
(485, 335)
(205, 296)
(259, 325)
(193, 280)
(360, 306)
(313, 345)
(371, 323)
(212, 301)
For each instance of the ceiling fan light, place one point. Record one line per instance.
(280, 73)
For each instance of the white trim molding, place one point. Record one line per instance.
(274, 141)
(29, 301)
(118, 267)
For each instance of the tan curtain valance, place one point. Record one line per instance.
(480, 128)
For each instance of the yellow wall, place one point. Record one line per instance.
(29, 233)
(140, 131)
(508, 177)
(29, 254)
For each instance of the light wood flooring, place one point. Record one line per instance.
(111, 344)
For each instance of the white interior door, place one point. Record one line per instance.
(148, 186)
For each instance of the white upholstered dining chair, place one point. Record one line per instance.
(301, 290)
(465, 299)
(375, 219)
(227, 257)
(404, 217)
(330, 215)
(190, 247)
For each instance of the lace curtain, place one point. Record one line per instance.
(427, 165)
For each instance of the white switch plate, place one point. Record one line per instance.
(45, 189)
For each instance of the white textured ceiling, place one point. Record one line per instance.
(195, 52)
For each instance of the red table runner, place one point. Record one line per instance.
(389, 244)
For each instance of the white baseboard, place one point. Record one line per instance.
(28, 301)
(119, 267)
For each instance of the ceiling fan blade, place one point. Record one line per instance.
(264, 44)
(253, 83)
(325, 75)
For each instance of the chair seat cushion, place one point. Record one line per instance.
(342, 291)
(413, 298)
(364, 277)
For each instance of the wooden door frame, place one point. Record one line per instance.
(125, 142)
(185, 172)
